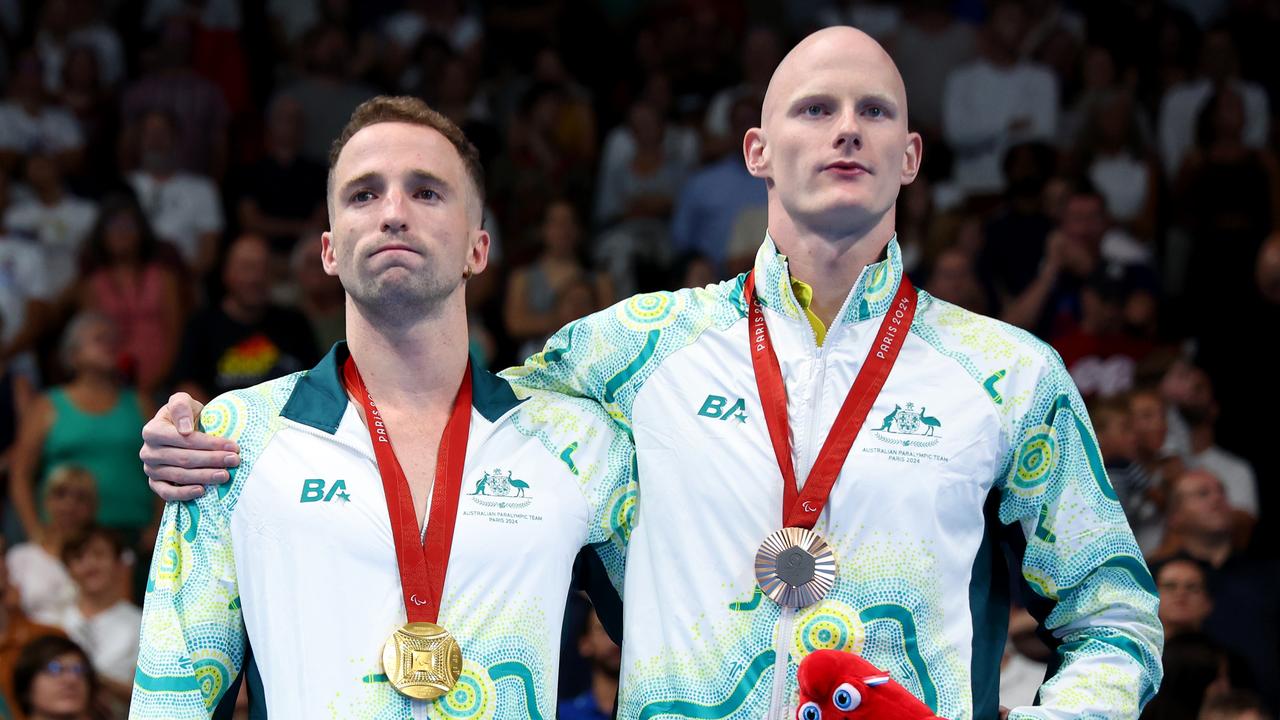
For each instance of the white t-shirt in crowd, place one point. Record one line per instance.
(1180, 109)
(110, 638)
(52, 130)
(1122, 180)
(22, 279)
(180, 209)
(980, 103)
(60, 230)
(44, 587)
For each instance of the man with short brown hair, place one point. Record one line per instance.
(451, 503)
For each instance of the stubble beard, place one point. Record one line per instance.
(401, 301)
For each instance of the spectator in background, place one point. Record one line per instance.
(93, 422)
(577, 300)
(16, 633)
(1099, 352)
(606, 661)
(640, 186)
(1142, 319)
(711, 201)
(1184, 595)
(953, 280)
(1228, 197)
(1050, 306)
(319, 295)
(1159, 460)
(1184, 102)
(1114, 153)
(634, 199)
(1234, 705)
(184, 209)
(1177, 385)
(1245, 590)
(85, 95)
(760, 53)
(453, 90)
(1098, 81)
(172, 87)
(53, 679)
(1016, 233)
(928, 44)
(70, 502)
(1161, 448)
(451, 20)
(1200, 411)
(16, 395)
(30, 121)
(576, 131)
(101, 620)
(1055, 41)
(681, 146)
(244, 339)
(57, 220)
(66, 24)
(535, 168)
(536, 290)
(126, 280)
(281, 193)
(1047, 21)
(25, 303)
(996, 101)
(1118, 443)
(326, 92)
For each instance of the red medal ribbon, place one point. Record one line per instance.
(422, 563)
(801, 509)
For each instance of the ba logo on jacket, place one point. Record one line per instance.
(715, 407)
(315, 490)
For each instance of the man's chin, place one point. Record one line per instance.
(843, 214)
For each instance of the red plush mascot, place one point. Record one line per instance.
(838, 685)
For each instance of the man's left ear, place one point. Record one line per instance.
(911, 158)
(478, 258)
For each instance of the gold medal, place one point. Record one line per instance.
(795, 567)
(422, 660)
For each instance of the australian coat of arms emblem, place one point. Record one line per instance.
(909, 427)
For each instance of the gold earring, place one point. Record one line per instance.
(466, 274)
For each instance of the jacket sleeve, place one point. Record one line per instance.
(193, 636)
(1086, 582)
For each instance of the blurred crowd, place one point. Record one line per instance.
(1101, 173)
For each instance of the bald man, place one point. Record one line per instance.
(963, 450)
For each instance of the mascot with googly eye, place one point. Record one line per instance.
(838, 685)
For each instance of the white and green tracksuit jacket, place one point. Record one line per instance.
(295, 557)
(978, 456)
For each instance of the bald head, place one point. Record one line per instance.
(833, 144)
(840, 48)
